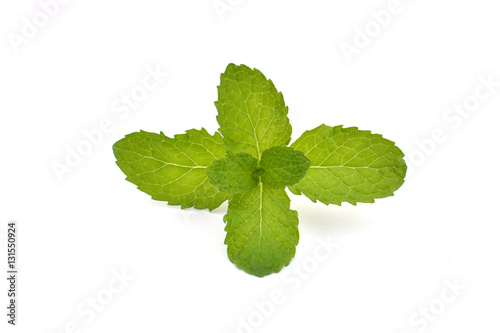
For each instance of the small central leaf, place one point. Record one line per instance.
(283, 166)
(234, 173)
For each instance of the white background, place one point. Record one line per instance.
(394, 257)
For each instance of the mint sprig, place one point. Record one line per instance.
(248, 163)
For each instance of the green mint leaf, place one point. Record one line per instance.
(249, 164)
(349, 165)
(283, 166)
(234, 173)
(173, 169)
(262, 230)
(252, 113)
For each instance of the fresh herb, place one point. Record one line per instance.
(248, 163)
